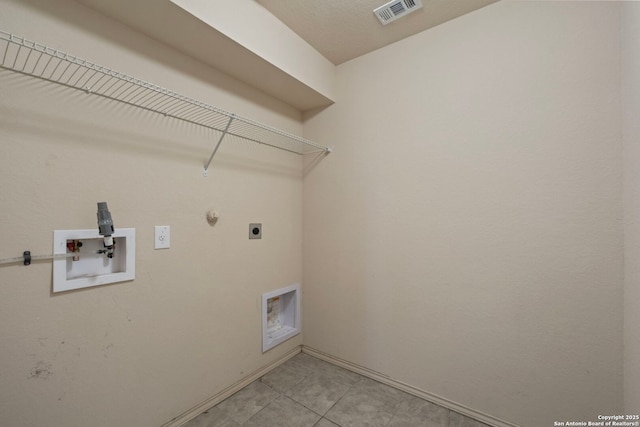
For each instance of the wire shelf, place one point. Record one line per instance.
(36, 60)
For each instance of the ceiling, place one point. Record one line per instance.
(345, 29)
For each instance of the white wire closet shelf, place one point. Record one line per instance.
(36, 60)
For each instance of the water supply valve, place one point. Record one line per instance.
(105, 228)
(74, 246)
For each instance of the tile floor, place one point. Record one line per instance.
(308, 392)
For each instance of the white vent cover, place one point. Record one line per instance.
(396, 9)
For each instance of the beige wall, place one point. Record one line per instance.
(631, 140)
(139, 353)
(275, 42)
(465, 237)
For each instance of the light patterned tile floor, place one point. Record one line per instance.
(308, 392)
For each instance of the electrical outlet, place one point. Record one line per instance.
(163, 237)
(255, 231)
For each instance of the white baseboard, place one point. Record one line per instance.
(219, 397)
(446, 403)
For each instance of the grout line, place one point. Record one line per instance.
(261, 409)
(310, 372)
(284, 393)
(341, 397)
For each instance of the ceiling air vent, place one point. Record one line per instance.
(395, 9)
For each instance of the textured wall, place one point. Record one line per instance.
(631, 139)
(465, 237)
(138, 353)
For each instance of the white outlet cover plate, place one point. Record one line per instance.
(163, 237)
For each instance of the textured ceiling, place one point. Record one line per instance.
(345, 29)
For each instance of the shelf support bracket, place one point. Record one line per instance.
(224, 133)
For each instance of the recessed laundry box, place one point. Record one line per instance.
(280, 316)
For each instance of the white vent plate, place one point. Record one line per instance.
(395, 9)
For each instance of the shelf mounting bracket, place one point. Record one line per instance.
(224, 133)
